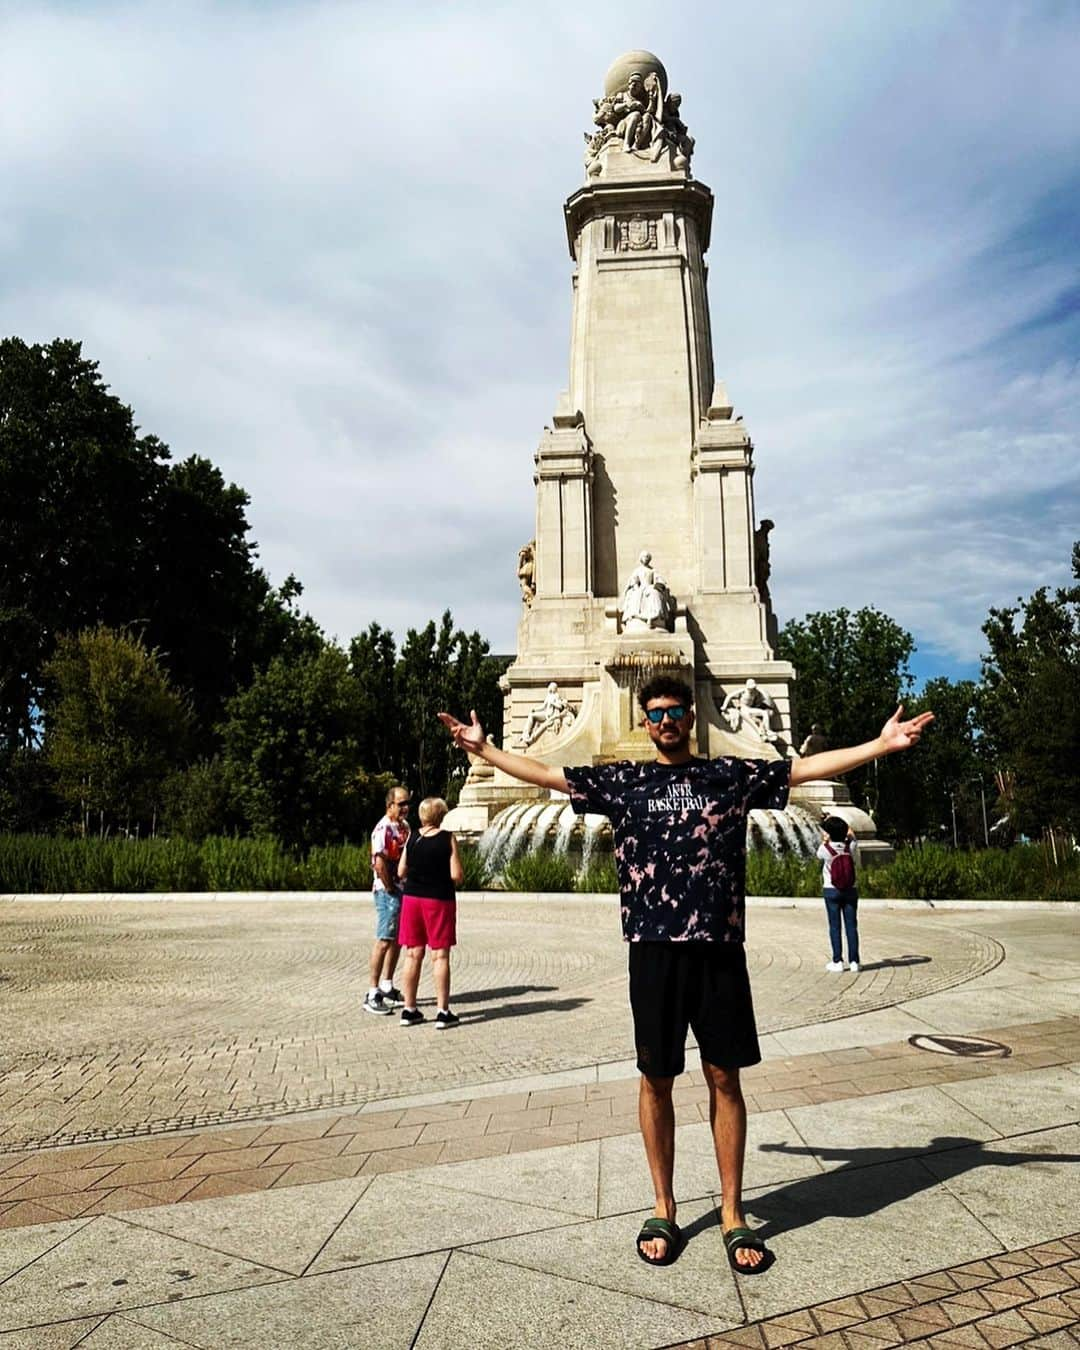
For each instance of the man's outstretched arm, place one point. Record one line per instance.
(895, 735)
(470, 736)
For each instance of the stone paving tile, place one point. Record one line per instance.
(982, 1305)
(400, 1138)
(309, 1150)
(234, 1183)
(228, 1052)
(235, 1160)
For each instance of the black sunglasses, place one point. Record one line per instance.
(657, 715)
(399, 804)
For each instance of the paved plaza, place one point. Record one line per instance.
(204, 1141)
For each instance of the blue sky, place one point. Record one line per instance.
(322, 243)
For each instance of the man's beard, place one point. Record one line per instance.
(669, 744)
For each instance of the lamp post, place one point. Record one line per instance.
(982, 798)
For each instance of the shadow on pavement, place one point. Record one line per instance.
(506, 991)
(539, 1005)
(887, 961)
(843, 1194)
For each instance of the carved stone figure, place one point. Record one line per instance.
(762, 566)
(526, 571)
(752, 708)
(647, 602)
(816, 742)
(677, 131)
(643, 120)
(554, 714)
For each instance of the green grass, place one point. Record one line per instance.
(540, 871)
(37, 864)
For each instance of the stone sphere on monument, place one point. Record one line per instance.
(643, 63)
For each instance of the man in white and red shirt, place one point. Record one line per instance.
(388, 840)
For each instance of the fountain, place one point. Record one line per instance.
(647, 556)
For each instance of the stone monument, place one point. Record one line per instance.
(646, 556)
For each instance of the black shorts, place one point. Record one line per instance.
(703, 986)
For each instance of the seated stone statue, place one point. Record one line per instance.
(554, 714)
(752, 708)
(647, 602)
(815, 743)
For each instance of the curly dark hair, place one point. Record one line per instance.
(665, 686)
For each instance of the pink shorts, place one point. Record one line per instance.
(427, 923)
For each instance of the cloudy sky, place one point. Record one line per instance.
(322, 244)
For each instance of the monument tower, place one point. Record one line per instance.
(647, 553)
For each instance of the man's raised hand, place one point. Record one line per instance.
(468, 736)
(897, 735)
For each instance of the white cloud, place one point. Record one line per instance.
(323, 244)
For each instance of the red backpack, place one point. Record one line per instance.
(841, 867)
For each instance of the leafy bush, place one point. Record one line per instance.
(477, 877)
(769, 874)
(336, 867)
(539, 871)
(247, 865)
(599, 878)
(43, 864)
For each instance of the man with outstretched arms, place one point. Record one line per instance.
(680, 851)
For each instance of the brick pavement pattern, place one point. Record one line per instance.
(1030, 1296)
(44, 1185)
(126, 1019)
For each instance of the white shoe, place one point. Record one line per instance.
(834, 966)
(854, 967)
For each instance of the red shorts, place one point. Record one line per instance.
(427, 923)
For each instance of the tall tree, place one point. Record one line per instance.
(373, 659)
(98, 526)
(1029, 704)
(852, 672)
(292, 750)
(116, 728)
(76, 488)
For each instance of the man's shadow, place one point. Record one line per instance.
(525, 1009)
(851, 1192)
(503, 991)
(888, 962)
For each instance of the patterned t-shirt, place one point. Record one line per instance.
(680, 840)
(387, 838)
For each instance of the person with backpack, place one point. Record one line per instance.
(838, 852)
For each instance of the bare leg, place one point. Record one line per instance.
(410, 975)
(440, 973)
(727, 1116)
(378, 960)
(390, 960)
(657, 1117)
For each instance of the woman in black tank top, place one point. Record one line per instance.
(430, 871)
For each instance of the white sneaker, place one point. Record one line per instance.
(834, 966)
(854, 967)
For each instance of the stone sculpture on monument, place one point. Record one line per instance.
(643, 445)
(748, 707)
(554, 714)
(647, 602)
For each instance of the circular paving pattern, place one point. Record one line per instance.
(127, 1018)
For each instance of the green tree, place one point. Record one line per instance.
(115, 728)
(1029, 704)
(943, 779)
(201, 800)
(373, 661)
(852, 672)
(441, 667)
(292, 750)
(98, 526)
